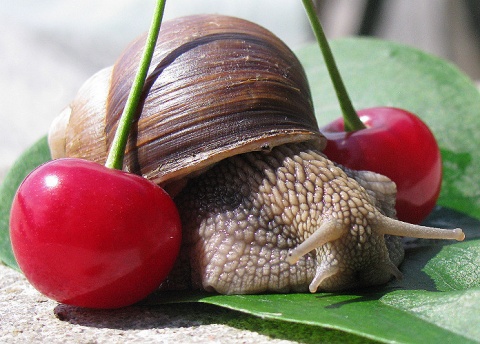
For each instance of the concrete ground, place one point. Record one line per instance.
(29, 317)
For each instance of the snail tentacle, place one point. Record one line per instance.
(330, 230)
(391, 268)
(322, 272)
(387, 225)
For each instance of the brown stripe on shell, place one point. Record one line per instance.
(218, 86)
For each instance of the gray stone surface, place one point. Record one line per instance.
(29, 317)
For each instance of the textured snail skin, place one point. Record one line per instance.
(227, 111)
(244, 219)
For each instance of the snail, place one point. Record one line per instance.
(227, 126)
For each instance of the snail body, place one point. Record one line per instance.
(227, 127)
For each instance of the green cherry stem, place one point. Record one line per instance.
(117, 149)
(350, 117)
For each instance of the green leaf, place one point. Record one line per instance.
(456, 267)
(360, 313)
(380, 73)
(28, 161)
(456, 312)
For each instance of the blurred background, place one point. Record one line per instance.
(49, 47)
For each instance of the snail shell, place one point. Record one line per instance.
(227, 104)
(188, 121)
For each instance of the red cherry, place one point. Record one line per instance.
(91, 236)
(397, 144)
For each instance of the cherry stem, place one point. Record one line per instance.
(119, 144)
(350, 117)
